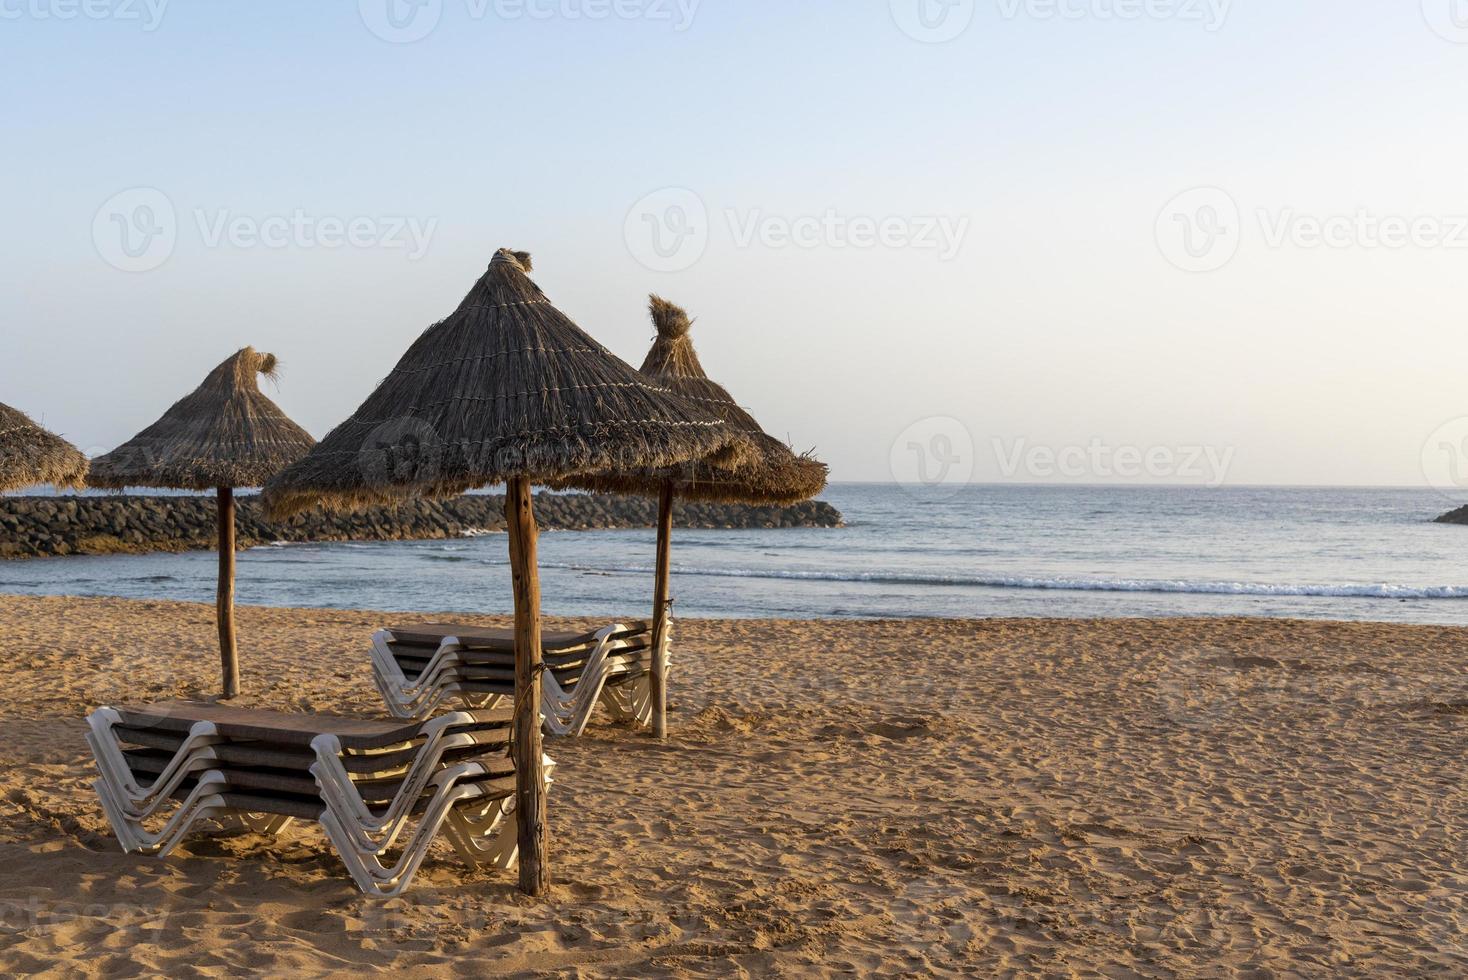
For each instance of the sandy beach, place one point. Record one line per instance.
(1118, 798)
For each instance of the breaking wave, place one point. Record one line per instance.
(1058, 583)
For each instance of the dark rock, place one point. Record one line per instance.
(31, 526)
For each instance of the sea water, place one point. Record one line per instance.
(974, 551)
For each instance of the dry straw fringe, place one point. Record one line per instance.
(31, 456)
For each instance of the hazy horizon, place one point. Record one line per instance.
(1194, 242)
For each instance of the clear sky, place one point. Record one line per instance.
(883, 239)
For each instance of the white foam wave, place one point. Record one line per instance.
(1360, 590)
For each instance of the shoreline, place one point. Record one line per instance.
(505, 617)
(569, 619)
(1163, 797)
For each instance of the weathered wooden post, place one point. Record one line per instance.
(229, 654)
(530, 808)
(660, 612)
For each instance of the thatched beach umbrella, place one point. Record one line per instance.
(505, 390)
(226, 434)
(773, 474)
(29, 455)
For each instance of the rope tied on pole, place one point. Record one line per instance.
(522, 696)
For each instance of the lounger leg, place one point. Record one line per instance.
(488, 839)
(264, 824)
(203, 801)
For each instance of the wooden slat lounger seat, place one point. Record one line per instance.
(421, 666)
(493, 638)
(364, 780)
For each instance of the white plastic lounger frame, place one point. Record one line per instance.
(484, 838)
(567, 713)
(484, 835)
(563, 712)
(113, 764)
(434, 684)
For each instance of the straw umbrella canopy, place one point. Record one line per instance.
(772, 474)
(508, 390)
(29, 455)
(225, 434)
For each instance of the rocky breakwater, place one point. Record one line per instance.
(1459, 516)
(33, 527)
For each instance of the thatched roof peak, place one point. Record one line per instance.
(226, 433)
(671, 319)
(520, 260)
(30, 455)
(506, 386)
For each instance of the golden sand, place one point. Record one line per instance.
(1154, 798)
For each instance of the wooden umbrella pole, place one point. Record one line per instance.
(530, 808)
(229, 654)
(659, 679)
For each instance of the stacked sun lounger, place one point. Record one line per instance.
(380, 789)
(417, 668)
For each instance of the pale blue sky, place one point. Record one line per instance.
(1060, 319)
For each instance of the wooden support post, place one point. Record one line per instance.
(659, 680)
(530, 808)
(229, 654)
